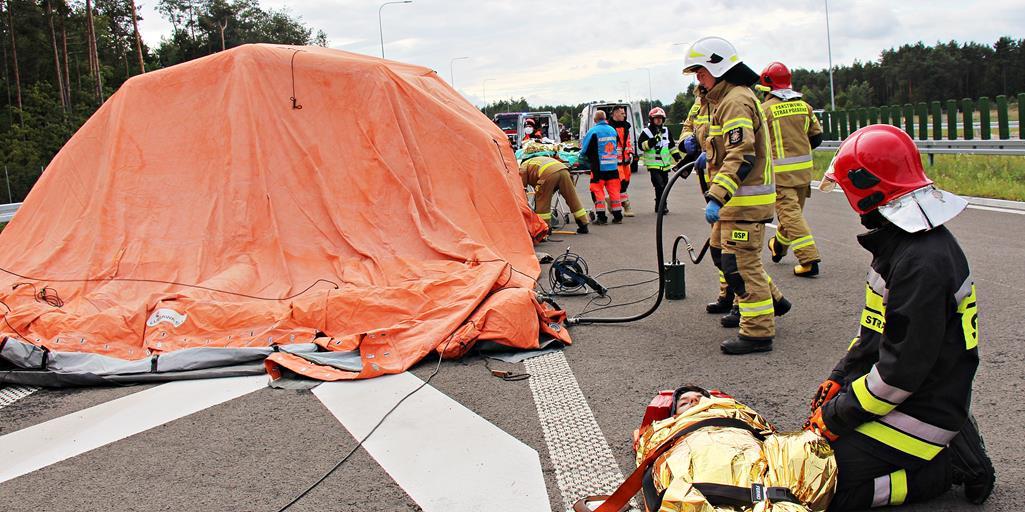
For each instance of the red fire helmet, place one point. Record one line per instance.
(657, 112)
(776, 76)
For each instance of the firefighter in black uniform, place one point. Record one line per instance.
(896, 407)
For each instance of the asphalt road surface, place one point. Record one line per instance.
(257, 451)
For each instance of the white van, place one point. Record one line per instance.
(634, 116)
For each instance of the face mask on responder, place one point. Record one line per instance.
(528, 130)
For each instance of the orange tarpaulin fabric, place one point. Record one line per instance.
(201, 206)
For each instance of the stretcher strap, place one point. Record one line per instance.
(620, 499)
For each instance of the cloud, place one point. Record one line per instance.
(581, 50)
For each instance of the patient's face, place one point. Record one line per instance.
(687, 400)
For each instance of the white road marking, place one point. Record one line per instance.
(446, 457)
(38, 446)
(584, 465)
(11, 394)
(993, 209)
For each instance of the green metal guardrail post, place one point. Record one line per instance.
(844, 125)
(951, 119)
(937, 120)
(967, 110)
(1003, 123)
(835, 123)
(824, 121)
(1021, 115)
(923, 120)
(873, 115)
(984, 127)
(895, 115)
(909, 119)
(862, 117)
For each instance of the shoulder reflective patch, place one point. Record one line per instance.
(789, 108)
(735, 136)
(739, 235)
(969, 310)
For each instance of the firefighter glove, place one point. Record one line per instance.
(827, 390)
(816, 424)
(690, 146)
(712, 211)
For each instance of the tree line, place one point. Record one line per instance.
(62, 59)
(909, 74)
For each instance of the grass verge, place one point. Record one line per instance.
(998, 177)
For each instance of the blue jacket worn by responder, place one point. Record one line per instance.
(600, 150)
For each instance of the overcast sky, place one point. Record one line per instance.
(557, 52)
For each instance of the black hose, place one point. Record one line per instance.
(682, 171)
(690, 249)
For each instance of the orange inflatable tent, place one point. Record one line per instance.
(271, 207)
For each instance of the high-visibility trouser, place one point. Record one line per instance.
(562, 181)
(793, 229)
(624, 178)
(599, 188)
(864, 480)
(744, 273)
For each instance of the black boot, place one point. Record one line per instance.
(745, 345)
(732, 319)
(601, 219)
(617, 217)
(972, 467)
(721, 305)
(582, 228)
(809, 270)
(776, 250)
(781, 307)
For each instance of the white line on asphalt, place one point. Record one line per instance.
(993, 209)
(446, 457)
(11, 394)
(47, 443)
(584, 465)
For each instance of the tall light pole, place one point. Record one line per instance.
(829, 48)
(380, 27)
(627, 90)
(484, 93)
(451, 74)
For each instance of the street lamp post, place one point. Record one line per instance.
(380, 26)
(451, 73)
(829, 49)
(484, 93)
(627, 90)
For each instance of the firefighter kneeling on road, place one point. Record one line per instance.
(896, 407)
(704, 451)
(547, 175)
(656, 141)
(742, 194)
(794, 132)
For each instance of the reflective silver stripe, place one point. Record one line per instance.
(648, 133)
(792, 160)
(918, 428)
(881, 496)
(755, 190)
(877, 283)
(881, 389)
(965, 290)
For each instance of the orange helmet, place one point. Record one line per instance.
(529, 121)
(657, 112)
(776, 76)
(879, 168)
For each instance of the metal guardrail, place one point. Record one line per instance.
(7, 211)
(955, 147)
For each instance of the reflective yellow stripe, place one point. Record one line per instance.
(855, 340)
(762, 307)
(789, 108)
(804, 241)
(778, 132)
(580, 213)
(969, 310)
(722, 277)
(873, 300)
(782, 239)
(898, 487)
(545, 216)
(800, 166)
(694, 109)
(899, 440)
(867, 400)
(726, 182)
(714, 129)
(545, 167)
(738, 122)
(758, 200)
